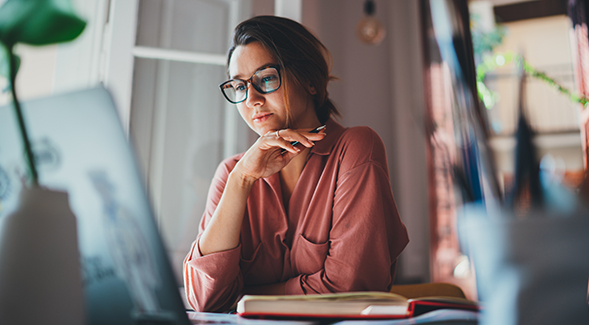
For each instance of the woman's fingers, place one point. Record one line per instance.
(275, 139)
(274, 150)
(304, 137)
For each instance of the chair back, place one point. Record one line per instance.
(411, 291)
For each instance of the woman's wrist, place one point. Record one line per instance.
(242, 179)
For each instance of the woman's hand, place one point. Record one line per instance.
(273, 151)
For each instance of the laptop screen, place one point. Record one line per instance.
(80, 147)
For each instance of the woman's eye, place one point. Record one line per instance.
(268, 79)
(240, 87)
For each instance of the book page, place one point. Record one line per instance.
(385, 310)
(356, 296)
(323, 304)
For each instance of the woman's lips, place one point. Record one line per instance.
(258, 118)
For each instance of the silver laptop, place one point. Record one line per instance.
(81, 148)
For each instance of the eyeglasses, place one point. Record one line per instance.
(264, 81)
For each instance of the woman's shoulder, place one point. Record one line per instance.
(360, 144)
(359, 134)
(361, 139)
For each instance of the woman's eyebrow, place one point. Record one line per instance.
(265, 66)
(238, 76)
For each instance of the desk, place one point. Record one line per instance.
(437, 317)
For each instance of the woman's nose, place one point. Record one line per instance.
(254, 98)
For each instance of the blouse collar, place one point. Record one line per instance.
(333, 130)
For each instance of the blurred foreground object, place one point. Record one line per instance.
(460, 166)
(33, 22)
(39, 256)
(530, 254)
(40, 276)
(530, 270)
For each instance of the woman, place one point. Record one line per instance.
(314, 217)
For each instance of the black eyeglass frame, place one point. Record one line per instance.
(249, 80)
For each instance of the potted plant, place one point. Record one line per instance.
(40, 276)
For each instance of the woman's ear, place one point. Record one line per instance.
(312, 90)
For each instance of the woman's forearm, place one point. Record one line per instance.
(223, 231)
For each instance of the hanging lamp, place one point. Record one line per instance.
(369, 29)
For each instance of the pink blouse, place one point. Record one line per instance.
(342, 230)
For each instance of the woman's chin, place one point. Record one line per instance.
(263, 128)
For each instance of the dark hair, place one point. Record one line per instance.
(303, 59)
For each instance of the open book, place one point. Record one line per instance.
(346, 305)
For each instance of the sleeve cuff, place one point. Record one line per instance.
(222, 266)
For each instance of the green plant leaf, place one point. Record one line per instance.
(39, 22)
(34, 22)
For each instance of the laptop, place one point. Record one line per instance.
(81, 148)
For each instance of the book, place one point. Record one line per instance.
(349, 305)
(437, 317)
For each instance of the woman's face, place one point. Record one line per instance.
(267, 112)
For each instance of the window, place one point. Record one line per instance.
(181, 125)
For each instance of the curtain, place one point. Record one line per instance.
(460, 165)
(577, 10)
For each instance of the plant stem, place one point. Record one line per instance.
(21, 121)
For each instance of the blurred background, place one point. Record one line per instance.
(163, 60)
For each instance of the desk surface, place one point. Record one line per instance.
(437, 317)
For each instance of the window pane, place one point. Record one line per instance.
(174, 25)
(545, 44)
(177, 125)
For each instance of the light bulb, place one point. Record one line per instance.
(370, 30)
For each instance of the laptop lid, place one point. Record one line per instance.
(80, 147)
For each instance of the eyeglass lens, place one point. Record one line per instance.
(264, 81)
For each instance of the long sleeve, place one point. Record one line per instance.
(213, 282)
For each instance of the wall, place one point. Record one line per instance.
(381, 86)
(35, 76)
